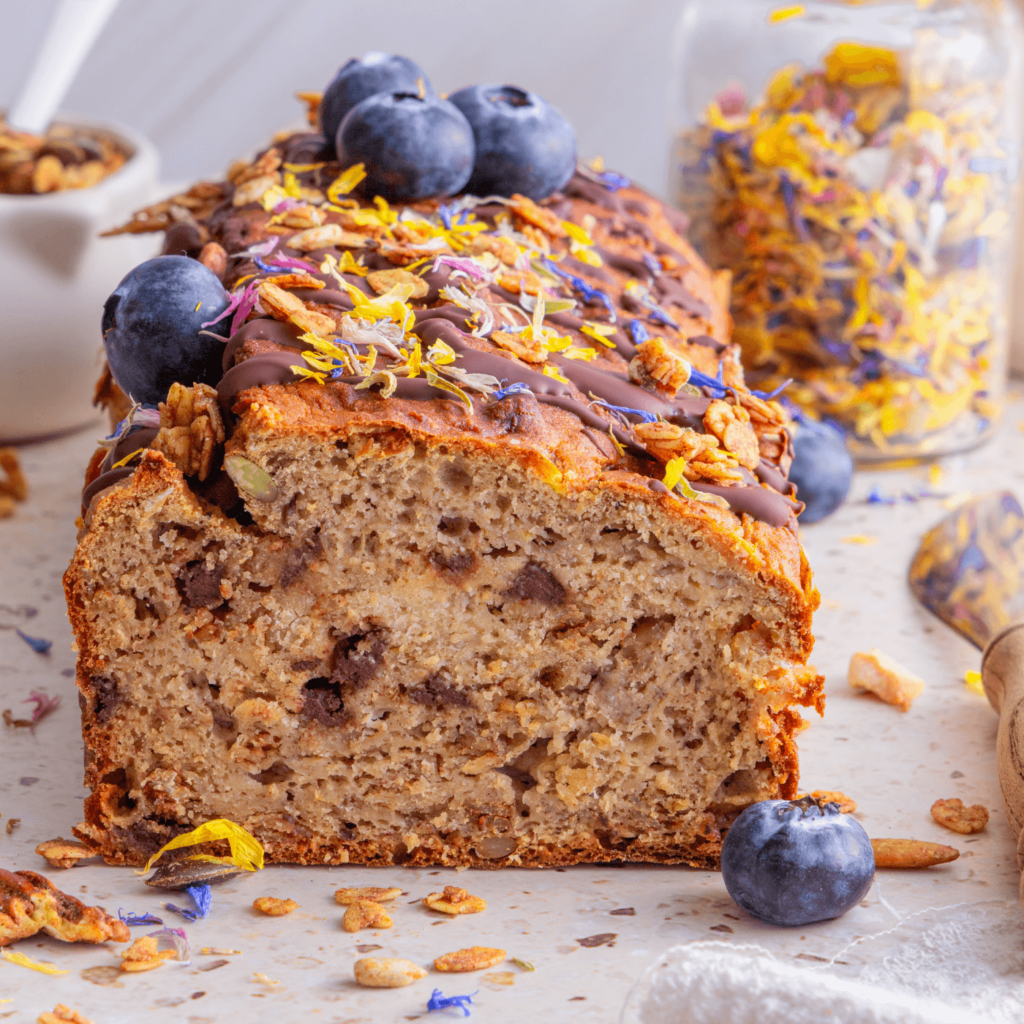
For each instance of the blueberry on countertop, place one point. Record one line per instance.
(151, 325)
(792, 862)
(822, 469)
(360, 78)
(412, 147)
(522, 143)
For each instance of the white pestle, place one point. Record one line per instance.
(73, 30)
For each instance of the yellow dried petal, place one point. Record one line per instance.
(26, 961)
(246, 850)
(345, 182)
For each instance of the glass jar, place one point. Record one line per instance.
(854, 164)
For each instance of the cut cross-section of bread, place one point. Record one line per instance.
(424, 643)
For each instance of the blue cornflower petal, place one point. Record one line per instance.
(439, 1001)
(37, 643)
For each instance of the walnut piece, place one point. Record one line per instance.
(885, 677)
(63, 853)
(455, 901)
(475, 958)
(274, 907)
(190, 429)
(30, 903)
(657, 368)
(955, 816)
(365, 914)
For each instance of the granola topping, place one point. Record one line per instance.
(65, 157)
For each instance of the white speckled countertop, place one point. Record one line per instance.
(894, 765)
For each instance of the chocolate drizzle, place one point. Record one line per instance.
(269, 330)
(266, 368)
(767, 497)
(102, 482)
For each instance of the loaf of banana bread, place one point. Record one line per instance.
(464, 543)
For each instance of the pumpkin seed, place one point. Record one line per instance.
(250, 478)
(180, 874)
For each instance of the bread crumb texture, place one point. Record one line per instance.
(426, 647)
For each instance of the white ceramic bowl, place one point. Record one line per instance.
(55, 274)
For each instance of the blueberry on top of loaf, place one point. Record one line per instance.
(475, 549)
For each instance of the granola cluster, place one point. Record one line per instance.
(65, 157)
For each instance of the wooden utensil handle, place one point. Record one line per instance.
(1002, 675)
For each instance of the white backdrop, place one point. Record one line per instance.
(209, 80)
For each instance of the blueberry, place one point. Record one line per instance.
(794, 862)
(151, 327)
(412, 147)
(522, 143)
(358, 79)
(822, 469)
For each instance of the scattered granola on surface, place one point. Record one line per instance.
(367, 892)
(365, 914)
(274, 907)
(911, 853)
(65, 157)
(143, 955)
(386, 972)
(958, 818)
(475, 958)
(885, 677)
(455, 901)
(63, 853)
(62, 1014)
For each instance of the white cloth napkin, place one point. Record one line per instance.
(956, 965)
